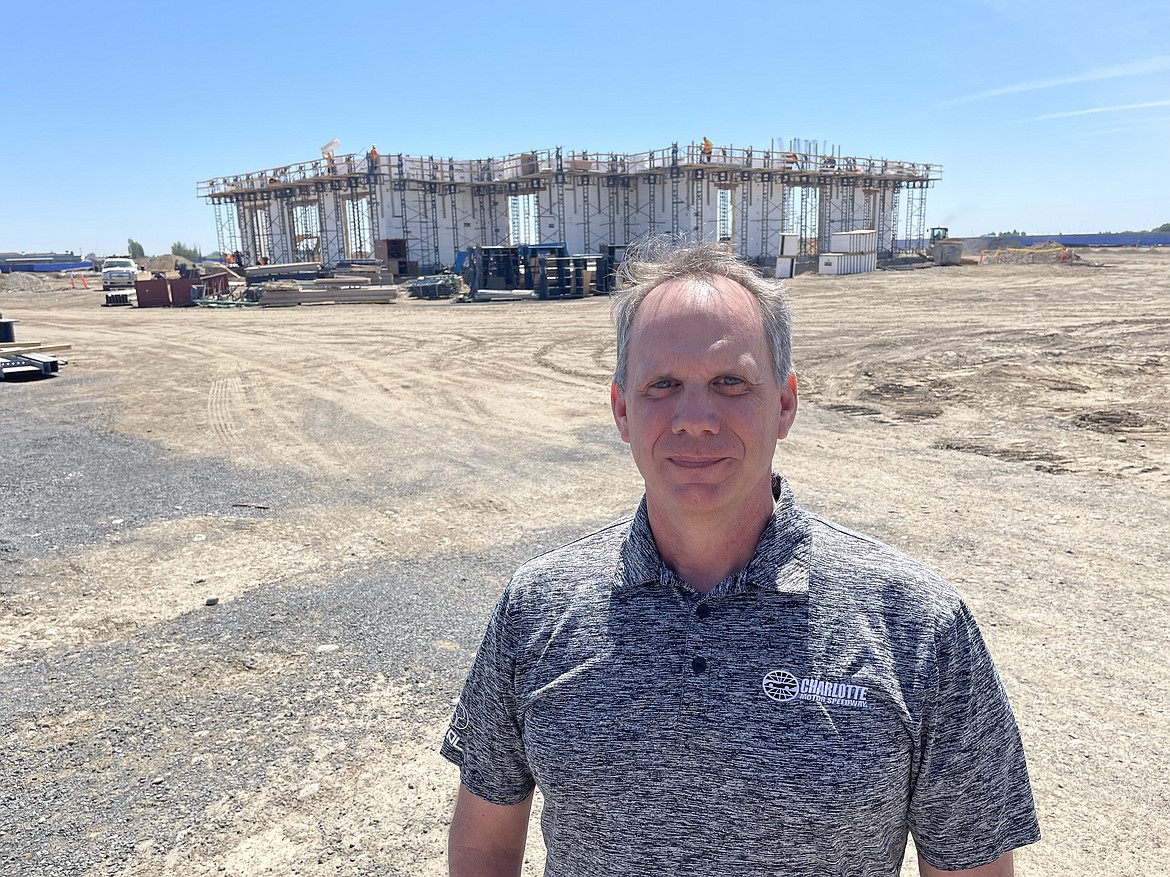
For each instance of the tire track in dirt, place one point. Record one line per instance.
(224, 400)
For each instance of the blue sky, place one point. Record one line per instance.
(1050, 117)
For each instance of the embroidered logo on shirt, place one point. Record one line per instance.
(782, 686)
(459, 723)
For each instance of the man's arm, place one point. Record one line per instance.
(486, 840)
(1001, 867)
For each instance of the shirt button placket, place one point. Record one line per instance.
(700, 663)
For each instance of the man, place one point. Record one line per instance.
(725, 683)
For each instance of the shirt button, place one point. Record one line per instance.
(699, 664)
(703, 610)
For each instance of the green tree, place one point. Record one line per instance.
(1164, 228)
(135, 249)
(191, 254)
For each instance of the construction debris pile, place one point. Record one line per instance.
(435, 286)
(296, 283)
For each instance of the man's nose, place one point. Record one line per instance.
(694, 413)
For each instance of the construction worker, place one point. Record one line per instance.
(707, 147)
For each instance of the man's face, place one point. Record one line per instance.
(702, 410)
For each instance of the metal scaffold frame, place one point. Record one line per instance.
(306, 227)
(550, 210)
(227, 226)
(373, 186)
(915, 229)
(788, 218)
(774, 214)
(741, 218)
(809, 220)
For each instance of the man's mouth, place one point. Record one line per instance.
(695, 462)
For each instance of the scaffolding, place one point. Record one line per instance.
(336, 207)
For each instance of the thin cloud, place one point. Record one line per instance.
(1147, 125)
(1134, 68)
(1091, 111)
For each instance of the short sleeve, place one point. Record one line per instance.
(484, 735)
(971, 800)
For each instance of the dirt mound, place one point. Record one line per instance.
(23, 281)
(165, 262)
(1047, 252)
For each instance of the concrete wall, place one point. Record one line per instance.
(439, 219)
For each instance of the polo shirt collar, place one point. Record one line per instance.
(780, 563)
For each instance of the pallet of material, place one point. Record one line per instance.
(277, 295)
(283, 271)
(339, 282)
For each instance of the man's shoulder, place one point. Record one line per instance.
(853, 567)
(591, 559)
(567, 587)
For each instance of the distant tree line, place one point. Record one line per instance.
(178, 248)
(191, 254)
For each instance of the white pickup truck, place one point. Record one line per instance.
(118, 272)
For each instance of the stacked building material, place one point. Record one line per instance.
(282, 271)
(289, 292)
(850, 252)
(789, 248)
(26, 359)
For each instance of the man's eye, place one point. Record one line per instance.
(664, 384)
(729, 381)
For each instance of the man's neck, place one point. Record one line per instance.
(704, 550)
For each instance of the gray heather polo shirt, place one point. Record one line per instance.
(799, 718)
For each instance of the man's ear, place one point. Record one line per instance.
(617, 401)
(787, 406)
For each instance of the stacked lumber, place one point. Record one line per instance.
(288, 293)
(341, 281)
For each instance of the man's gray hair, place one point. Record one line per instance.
(659, 260)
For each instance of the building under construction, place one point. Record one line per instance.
(423, 211)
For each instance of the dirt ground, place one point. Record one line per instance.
(353, 484)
